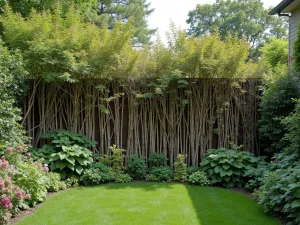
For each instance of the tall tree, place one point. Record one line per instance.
(24, 7)
(109, 11)
(245, 18)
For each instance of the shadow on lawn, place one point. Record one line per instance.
(147, 186)
(215, 206)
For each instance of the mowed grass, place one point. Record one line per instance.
(149, 204)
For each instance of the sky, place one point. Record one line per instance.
(177, 11)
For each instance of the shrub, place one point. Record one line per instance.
(192, 169)
(12, 80)
(62, 185)
(11, 195)
(14, 154)
(70, 160)
(91, 177)
(117, 159)
(281, 193)
(159, 174)
(228, 168)
(157, 159)
(284, 160)
(53, 182)
(11, 199)
(257, 176)
(31, 177)
(276, 102)
(66, 138)
(293, 130)
(97, 174)
(137, 167)
(71, 182)
(67, 152)
(43, 154)
(180, 173)
(121, 177)
(199, 178)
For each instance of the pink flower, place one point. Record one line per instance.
(9, 149)
(2, 185)
(6, 202)
(27, 196)
(46, 169)
(4, 164)
(20, 148)
(20, 195)
(28, 154)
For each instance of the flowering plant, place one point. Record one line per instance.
(32, 177)
(11, 196)
(14, 155)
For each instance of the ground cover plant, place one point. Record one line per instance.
(150, 203)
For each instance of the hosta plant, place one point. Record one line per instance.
(66, 138)
(67, 153)
(70, 160)
(229, 168)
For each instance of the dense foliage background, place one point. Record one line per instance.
(12, 78)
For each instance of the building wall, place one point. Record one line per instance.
(293, 27)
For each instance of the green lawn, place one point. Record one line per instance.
(149, 203)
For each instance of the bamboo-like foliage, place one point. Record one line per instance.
(63, 47)
(213, 114)
(183, 97)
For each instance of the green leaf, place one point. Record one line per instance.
(295, 203)
(79, 169)
(218, 169)
(225, 167)
(71, 160)
(223, 173)
(62, 155)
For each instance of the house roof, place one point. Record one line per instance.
(281, 6)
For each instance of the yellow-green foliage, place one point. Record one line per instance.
(61, 46)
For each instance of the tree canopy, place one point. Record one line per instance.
(246, 18)
(276, 52)
(100, 12)
(58, 46)
(110, 11)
